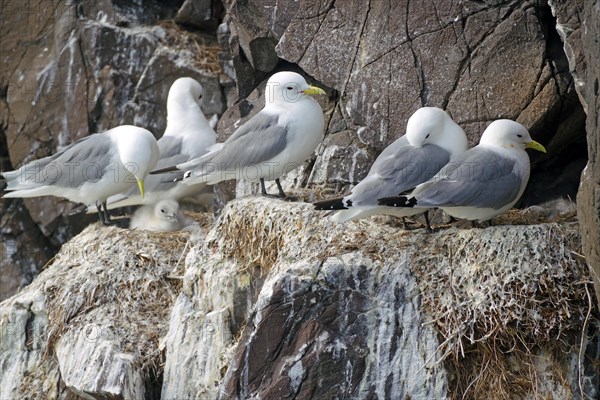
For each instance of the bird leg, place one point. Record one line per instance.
(426, 216)
(482, 224)
(407, 222)
(281, 192)
(100, 214)
(106, 214)
(263, 190)
(404, 225)
(99, 209)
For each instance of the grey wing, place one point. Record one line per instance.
(397, 172)
(390, 151)
(478, 178)
(258, 140)
(27, 173)
(85, 160)
(169, 148)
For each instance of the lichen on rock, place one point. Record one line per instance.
(92, 320)
(311, 308)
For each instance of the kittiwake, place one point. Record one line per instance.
(484, 181)
(188, 135)
(89, 170)
(432, 139)
(163, 216)
(273, 142)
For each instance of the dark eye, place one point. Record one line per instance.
(427, 137)
(162, 211)
(520, 136)
(199, 97)
(290, 88)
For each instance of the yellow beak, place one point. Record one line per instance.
(535, 146)
(141, 186)
(313, 90)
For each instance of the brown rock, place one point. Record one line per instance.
(588, 198)
(341, 156)
(477, 60)
(256, 27)
(24, 250)
(202, 14)
(578, 26)
(69, 69)
(569, 15)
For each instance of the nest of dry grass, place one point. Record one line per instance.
(204, 49)
(252, 240)
(497, 295)
(119, 281)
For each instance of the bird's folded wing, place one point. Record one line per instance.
(395, 173)
(85, 160)
(258, 140)
(478, 178)
(170, 149)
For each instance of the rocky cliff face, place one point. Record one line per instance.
(100, 64)
(277, 302)
(91, 323)
(589, 192)
(69, 69)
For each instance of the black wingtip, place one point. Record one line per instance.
(332, 204)
(3, 185)
(164, 170)
(397, 201)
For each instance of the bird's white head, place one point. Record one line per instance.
(288, 87)
(184, 112)
(509, 134)
(185, 90)
(184, 99)
(138, 151)
(167, 209)
(432, 125)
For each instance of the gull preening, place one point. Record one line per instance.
(283, 135)
(188, 135)
(483, 182)
(432, 140)
(89, 170)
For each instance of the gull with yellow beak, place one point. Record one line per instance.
(283, 135)
(188, 135)
(89, 170)
(484, 181)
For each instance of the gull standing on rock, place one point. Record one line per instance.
(273, 142)
(432, 140)
(483, 182)
(188, 136)
(89, 170)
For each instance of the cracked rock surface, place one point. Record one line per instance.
(69, 69)
(277, 302)
(77, 69)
